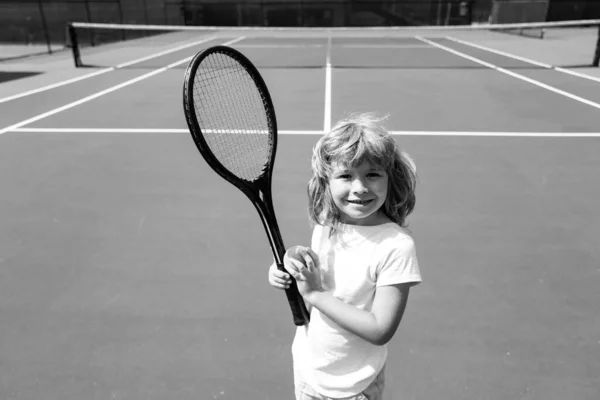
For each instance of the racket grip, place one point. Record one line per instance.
(299, 311)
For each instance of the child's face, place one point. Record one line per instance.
(359, 193)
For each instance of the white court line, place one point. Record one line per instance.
(279, 46)
(327, 112)
(309, 132)
(527, 60)
(86, 99)
(387, 46)
(95, 95)
(500, 134)
(55, 85)
(239, 39)
(162, 53)
(140, 130)
(103, 71)
(513, 74)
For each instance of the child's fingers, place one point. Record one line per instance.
(281, 285)
(281, 274)
(282, 279)
(309, 258)
(291, 265)
(294, 268)
(313, 255)
(276, 272)
(308, 261)
(279, 279)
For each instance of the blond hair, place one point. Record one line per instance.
(351, 142)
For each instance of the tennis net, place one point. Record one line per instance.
(564, 44)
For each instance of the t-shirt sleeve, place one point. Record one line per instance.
(399, 265)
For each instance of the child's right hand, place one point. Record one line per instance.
(279, 279)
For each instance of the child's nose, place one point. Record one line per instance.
(358, 186)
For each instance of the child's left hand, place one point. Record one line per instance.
(303, 264)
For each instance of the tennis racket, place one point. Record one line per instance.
(231, 117)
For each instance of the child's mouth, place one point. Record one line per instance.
(360, 202)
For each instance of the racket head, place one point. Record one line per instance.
(231, 117)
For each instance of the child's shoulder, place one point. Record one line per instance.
(394, 238)
(387, 233)
(396, 247)
(393, 231)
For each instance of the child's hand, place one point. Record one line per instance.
(302, 264)
(279, 279)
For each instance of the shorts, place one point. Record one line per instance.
(373, 392)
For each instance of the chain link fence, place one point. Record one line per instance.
(41, 24)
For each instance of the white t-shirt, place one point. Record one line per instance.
(354, 261)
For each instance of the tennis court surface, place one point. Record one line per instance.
(130, 270)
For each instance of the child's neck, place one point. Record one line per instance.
(380, 219)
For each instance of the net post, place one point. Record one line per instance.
(596, 61)
(74, 45)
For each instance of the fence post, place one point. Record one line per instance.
(45, 27)
(120, 5)
(89, 19)
(145, 5)
(165, 13)
(597, 54)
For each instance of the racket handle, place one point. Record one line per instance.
(299, 311)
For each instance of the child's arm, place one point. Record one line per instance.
(376, 326)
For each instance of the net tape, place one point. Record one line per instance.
(557, 24)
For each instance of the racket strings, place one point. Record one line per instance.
(231, 112)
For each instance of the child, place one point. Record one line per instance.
(356, 276)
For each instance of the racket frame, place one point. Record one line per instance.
(259, 190)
